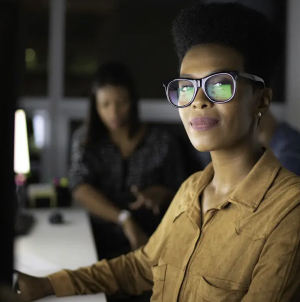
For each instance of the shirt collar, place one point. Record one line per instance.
(251, 191)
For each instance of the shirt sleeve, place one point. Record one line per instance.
(128, 274)
(82, 167)
(276, 277)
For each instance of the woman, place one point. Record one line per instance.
(119, 164)
(232, 231)
(283, 139)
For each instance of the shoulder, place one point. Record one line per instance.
(284, 194)
(189, 189)
(161, 135)
(286, 128)
(159, 130)
(79, 134)
(285, 137)
(286, 182)
(193, 181)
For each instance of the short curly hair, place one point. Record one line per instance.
(234, 25)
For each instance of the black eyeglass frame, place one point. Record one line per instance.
(200, 83)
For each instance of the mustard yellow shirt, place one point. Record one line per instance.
(246, 249)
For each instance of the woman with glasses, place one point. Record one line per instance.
(232, 232)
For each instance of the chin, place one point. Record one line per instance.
(114, 127)
(202, 145)
(201, 141)
(208, 143)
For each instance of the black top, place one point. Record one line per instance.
(157, 160)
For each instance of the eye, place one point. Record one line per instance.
(122, 102)
(220, 80)
(186, 88)
(103, 104)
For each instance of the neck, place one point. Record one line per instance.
(119, 135)
(268, 126)
(231, 166)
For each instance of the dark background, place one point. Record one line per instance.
(135, 32)
(9, 66)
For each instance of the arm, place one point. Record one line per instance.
(172, 175)
(82, 175)
(96, 203)
(276, 277)
(129, 274)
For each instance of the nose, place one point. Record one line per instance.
(114, 109)
(201, 101)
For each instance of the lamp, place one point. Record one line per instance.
(21, 156)
(24, 221)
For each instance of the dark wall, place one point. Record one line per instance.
(135, 32)
(9, 54)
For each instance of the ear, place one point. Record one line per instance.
(264, 100)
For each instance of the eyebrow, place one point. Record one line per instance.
(187, 75)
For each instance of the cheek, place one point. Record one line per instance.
(99, 111)
(184, 113)
(103, 113)
(124, 112)
(237, 115)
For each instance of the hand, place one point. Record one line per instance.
(153, 198)
(134, 234)
(32, 288)
(7, 295)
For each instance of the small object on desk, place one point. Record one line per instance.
(56, 218)
(23, 224)
(41, 194)
(63, 194)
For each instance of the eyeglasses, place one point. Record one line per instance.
(218, 87)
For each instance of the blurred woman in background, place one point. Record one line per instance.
(123, 171)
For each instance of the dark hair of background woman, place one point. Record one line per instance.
(115, 74)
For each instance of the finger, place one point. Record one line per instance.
(16, 288)
(148, 203)
(18, 273)
(137, 204)
(133, 244)
(135, 191)
(156, 210)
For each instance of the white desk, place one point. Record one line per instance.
(51, 247)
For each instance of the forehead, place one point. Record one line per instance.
(202, 60)
(110, 92)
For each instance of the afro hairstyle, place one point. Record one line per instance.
(233, 25)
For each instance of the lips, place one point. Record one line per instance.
(203, 123)
(115, 123)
